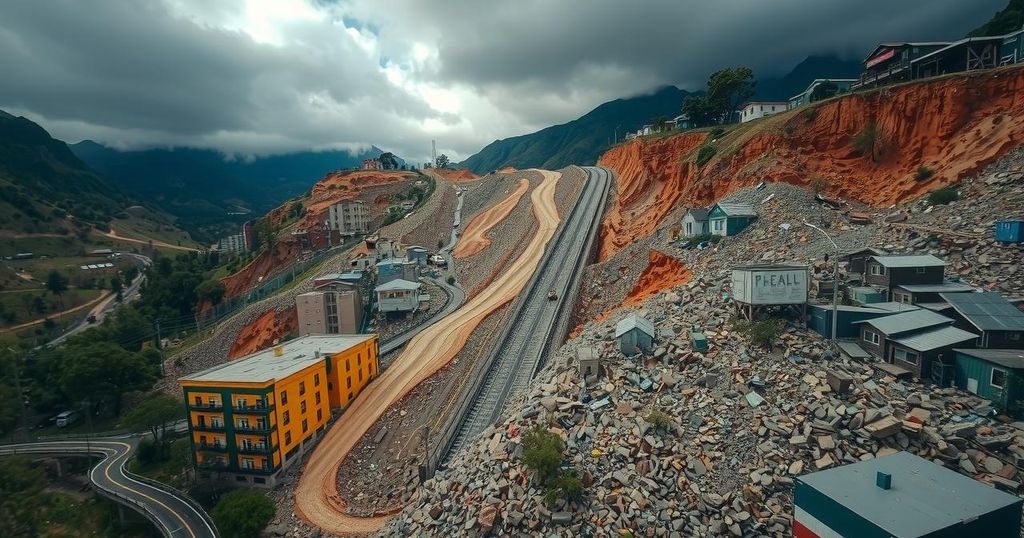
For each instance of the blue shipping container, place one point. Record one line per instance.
(1010, 231)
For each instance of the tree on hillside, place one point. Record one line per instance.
(154, 413)
(210, 290)
(101, 373)
(658, 122)
(20, 492)
(442, 161)
(57, 284)
(868, 140)
(242, 513)
(727, 89)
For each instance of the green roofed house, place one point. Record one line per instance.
(1000, 323)
(994, 374)
(635, 335)
(903, 496)
(728, 219)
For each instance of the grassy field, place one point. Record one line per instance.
(140, 228)
(21, 306)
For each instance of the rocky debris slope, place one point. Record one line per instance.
(953, 125)
(744, 421)
(430, 223)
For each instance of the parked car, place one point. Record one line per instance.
(67, 418)
(552, 295)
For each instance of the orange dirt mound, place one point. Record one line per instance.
(340, 186)
(475, 239)
(252, 274)
(507, 170)
(262, 333)
(662, 272)
(954, 125)
(462, 174)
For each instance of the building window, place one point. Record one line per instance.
(286, 418)
(199, 400)
(877, 270)
(359, 357)
(316, 380)
(287, 438)
(348, 365)
(284, 397)
(319, 415)
(1015, 336)
(302, 406)
(305, 426)
(360, 376)
(903, 298)
(905, 355)
(871, 337)
(302, 388)
(719, 224)
(317, 397)
(921, 270)
(240, 403)
(214, 402)
(998, 379)
(348, 382)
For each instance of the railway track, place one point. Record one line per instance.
(534, 325)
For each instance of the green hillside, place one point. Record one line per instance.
(1009, 19)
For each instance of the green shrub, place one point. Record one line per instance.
(542, 452)
(923, 173)
(868, 140)
(451, 281)
(660, 421)
(704, 154)
(716, 132)
(809, 114)
(242, 513)
(565, 486)
(762, 333)
(944, 195)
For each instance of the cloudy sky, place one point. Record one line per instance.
(271, 76)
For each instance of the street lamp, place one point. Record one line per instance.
(835, 279)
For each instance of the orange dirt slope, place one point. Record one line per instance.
(954, 125)
(462, 174)
(261, 333)
(475, 239)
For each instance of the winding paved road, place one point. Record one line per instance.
(172, 512)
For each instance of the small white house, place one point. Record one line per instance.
(759, 109)
(695, 222)
(398, 296)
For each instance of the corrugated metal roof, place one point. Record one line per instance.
(907, 321)
(923, 260)
(935, 338)
(987, 311)
(631, 322)
(398, 284)
(924, 498)
(893, 306)
(948, 287)
(698, 213)
(737, 210)
(852, 350)
(1010, 358)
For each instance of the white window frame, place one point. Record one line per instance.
(921, 270)
(876, 269)
(877, 338)
(896, 352)
(719, 225)
(1013, 336)
(992, 375)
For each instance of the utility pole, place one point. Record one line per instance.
(160, 347)
(835, 279)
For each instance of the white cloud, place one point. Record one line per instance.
(270, 76)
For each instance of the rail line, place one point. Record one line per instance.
(534, 325)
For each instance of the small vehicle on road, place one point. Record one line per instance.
(66, 419)
(552, 295)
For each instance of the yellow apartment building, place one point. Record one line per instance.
(250, 418)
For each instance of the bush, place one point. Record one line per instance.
(565, 486)
(944, 195)
(763, 332)
(716, 132)
(809, 114)
(542, 452)
(923, 173)
(819, 184)
(660, 421)
(148, 452)
(451, 281)
(242, 513)
(704, 154)
(868, 140)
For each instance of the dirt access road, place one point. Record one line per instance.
(112, 234)
(475, 239)
(316, 498)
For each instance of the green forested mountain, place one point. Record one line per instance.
(42, 182)
(1009, 19)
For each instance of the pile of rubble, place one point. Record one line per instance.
(744, 423)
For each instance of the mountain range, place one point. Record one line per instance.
(583, 140)
(209, 193)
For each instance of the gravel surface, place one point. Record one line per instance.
(387, 329)
(428, 224)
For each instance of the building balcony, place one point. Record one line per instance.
(207, 406)
(252, 409)
(213, 466)
(207, 447)
(208, 427)
(258, 470)
(253, 428)
(256, 449)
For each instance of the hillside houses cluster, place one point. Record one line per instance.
(888, 63)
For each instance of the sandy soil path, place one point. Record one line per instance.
(27, 324)
(316, 498)
(156, 243)
(475, 238)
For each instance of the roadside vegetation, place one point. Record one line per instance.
(543, 453)
(242, 513)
